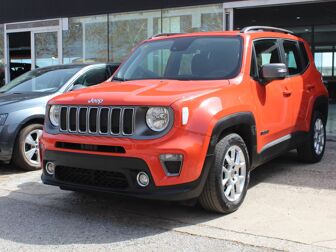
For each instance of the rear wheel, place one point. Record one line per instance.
(228, 178)
(26, 153)
(313, 150)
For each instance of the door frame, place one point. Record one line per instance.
(36, 26)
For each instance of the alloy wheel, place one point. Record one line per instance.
(234, 173)
(319, 136)
(31, 147)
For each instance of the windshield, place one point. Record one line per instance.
(40, 80)
(188, 58)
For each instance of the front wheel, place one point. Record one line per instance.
(313, 150)
(26, 153)
(228, 178)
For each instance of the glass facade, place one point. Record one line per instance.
(111, 37)
(126, 30)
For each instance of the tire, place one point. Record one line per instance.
(313, 150)
(20, 158)
(213, 197)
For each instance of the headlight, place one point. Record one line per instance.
(3, 118)
(54, 115)
(157, 118)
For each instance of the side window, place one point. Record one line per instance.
(266, 52)
(92, 77)
(304, 53)
(292, 57)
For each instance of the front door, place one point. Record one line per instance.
(273, 100)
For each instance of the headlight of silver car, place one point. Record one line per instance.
(54, 115)
(3, 118)
(157, 118)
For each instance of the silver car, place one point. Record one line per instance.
(23, 101)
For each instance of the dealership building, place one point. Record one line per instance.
(40, 33)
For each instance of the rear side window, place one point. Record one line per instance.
(304, 53)
(292, 57)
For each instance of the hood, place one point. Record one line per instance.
(140, 92)
(7, 98)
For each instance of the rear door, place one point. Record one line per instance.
(294, 62)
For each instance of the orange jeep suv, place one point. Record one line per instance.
(189, 116)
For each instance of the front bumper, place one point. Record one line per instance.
(192, 146)
(97, 171)
(138, 155)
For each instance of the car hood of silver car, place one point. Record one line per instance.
(15, 101)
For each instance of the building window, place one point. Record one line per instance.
(86, 40)
(192, 19)
(324, 61)
(2, 61)
(126, 30)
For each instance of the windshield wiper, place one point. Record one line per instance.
(119, 79)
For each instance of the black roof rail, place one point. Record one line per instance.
(166, 34)
(265, 28)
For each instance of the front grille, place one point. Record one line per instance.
(97, 120)
(96, 178)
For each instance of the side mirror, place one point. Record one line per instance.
(77, 87)
(275, 71)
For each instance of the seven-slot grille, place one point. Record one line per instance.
(97, 120)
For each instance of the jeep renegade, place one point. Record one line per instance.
(189, 116)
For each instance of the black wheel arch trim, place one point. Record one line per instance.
(322, 101)
(235, 120)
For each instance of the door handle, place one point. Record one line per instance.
(310, 87)
(287, 93)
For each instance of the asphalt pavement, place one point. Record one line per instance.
(290, 206)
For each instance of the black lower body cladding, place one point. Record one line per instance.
(114, 174)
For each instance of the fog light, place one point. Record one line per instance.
(50, 168)
(142, 179)
(172, 164)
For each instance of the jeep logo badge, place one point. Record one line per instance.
(95, 101)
